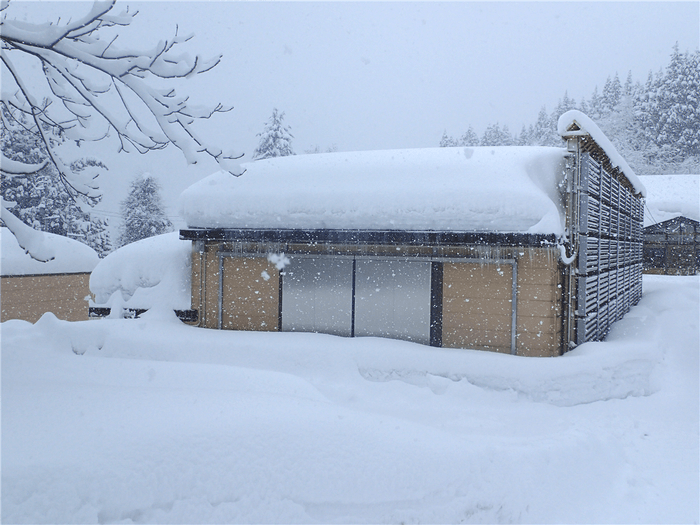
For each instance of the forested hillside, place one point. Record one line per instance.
(655, 125)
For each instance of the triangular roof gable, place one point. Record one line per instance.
(573, 123)
(673, 225)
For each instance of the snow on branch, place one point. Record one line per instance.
(29, 239)
(106, 89)
(11, 167)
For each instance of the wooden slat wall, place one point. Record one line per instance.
(251, 294)
(29, 297)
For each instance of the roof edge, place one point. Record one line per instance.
(360, 237)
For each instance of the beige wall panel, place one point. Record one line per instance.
(537, 293)
(211, 288)
(477, 339)
(474, 281)
(30, 297)
(537, 324)
(251, 294)
(538, 309)
(539, 301)
(537, 276)
(480, 322)
(196, 281)
(538, 345)
(537, 258)
(477, 306)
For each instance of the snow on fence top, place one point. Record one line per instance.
(670, 196)
(498, 189)
(70, 256)
(588, 127)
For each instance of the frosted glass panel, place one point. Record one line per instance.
(392, 299)
(317, 296)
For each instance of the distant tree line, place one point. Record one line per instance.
(655, 126)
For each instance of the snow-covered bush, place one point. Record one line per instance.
(151, 273)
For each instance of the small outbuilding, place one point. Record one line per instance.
(672, 227)
(672, 247)
(522, 250)
(30, 288)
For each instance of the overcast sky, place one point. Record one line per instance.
(370, 75)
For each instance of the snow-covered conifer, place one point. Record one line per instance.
(469, 139)
(142, 212)
(447, 141)
(276, 138)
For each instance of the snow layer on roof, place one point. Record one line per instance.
(671, 196)
(153, 272)
(70, 256)
(500, 189)
(587, 126)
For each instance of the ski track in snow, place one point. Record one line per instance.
(152, 421)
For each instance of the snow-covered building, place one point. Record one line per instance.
(523, 250)
(29, 288)
(672, 224)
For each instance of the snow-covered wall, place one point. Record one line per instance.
(70, 256)
(500, 189)
(670, 196)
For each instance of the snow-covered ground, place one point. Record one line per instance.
(153, 421)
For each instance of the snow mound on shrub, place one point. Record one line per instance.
(146, 274)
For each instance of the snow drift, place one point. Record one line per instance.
(153, 421)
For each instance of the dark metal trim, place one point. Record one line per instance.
(186, 316)
(279, 303)
(436, 282)
(352, 305)
(360, 237)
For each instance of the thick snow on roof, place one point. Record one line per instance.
(70, 256)
(153, 272)
(588, 127)
(501, 189)
(670, 196)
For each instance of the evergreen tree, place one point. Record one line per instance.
(544, 133)
(497, 136)
(679, 131)
(526, 137)
(447, 141)
(469, 139)
(142, 212)
(41, 200)
(565, 104)
(612, 92)
(275, 140)
(595, 105)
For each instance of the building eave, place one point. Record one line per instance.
(361, 237)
